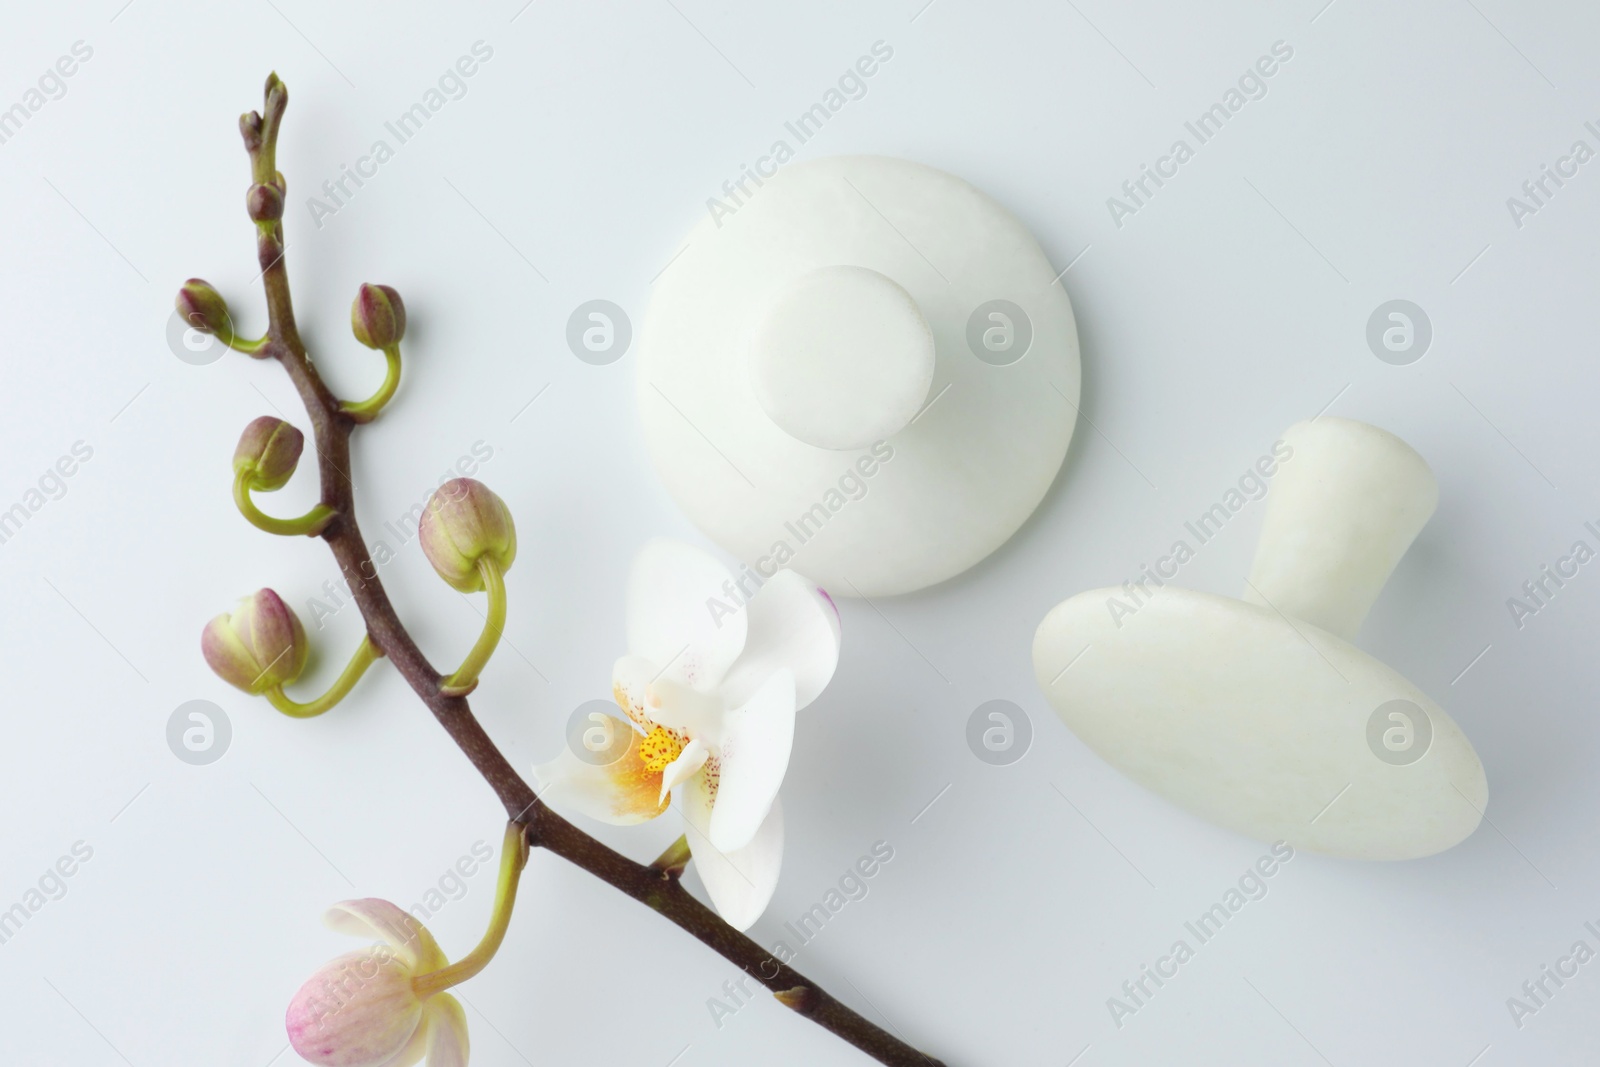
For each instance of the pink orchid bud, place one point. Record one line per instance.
(259, 646)
(264, 202)
(358, 1009)
(203, 308)
(363, 1009)
(378, 316)
(463, 522)
(267, 453)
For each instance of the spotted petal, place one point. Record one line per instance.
(673, 618)
(686, 710)
(686, 766)
(756, 742)
(609, 781)
(741, 882)
(631, 678)
(372, 917)
(792, 624)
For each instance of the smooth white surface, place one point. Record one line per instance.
(899, 512)
(1010, 911)
(1255, 713)
(1255, 722)
(1345, 506)
(841, 357)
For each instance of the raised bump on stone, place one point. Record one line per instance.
(841, 357)
(1343, 510)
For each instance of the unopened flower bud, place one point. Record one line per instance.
(259, 646)
(357, 1009)
(203, 308)
(364, 1009)
(378, 316)
(276, 94)
(250, 128)
(264, 202)
(463, 522)
(268, 451)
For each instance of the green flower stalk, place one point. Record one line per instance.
(378, 319)
(468, 536)
(365, 655)
(465, 679)
(513, 857)
(260, 647)
(265, 458)
(203, 308)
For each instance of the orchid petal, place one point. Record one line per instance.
(739, 883)
(621, 791)
(686, 766)
(688, 711)
(754, 756)
(404, 933)
(630, 685)
(358, 1010)
(792, 624)
(673, 591)
(412, 1052)
(447, 1036)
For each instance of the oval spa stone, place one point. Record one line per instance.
(1261, 724)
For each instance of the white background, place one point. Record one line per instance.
(1233, 304)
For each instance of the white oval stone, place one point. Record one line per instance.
(1259, 724)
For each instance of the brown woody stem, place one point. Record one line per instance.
(659, 888)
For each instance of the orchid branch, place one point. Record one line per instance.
(379, 320)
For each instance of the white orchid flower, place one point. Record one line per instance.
(710, 690)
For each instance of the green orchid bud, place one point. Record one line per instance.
(203, 308)
(259, 646)
(264, 202)
(378, 316)
(268, 452)
(277, 97)
(463, 523)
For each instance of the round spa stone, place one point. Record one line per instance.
(809, 390)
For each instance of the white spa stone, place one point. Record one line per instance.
(808, 392)
(1257, 718)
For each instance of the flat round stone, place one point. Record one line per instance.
(755, 458)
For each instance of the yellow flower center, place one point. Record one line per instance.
(659, 748)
